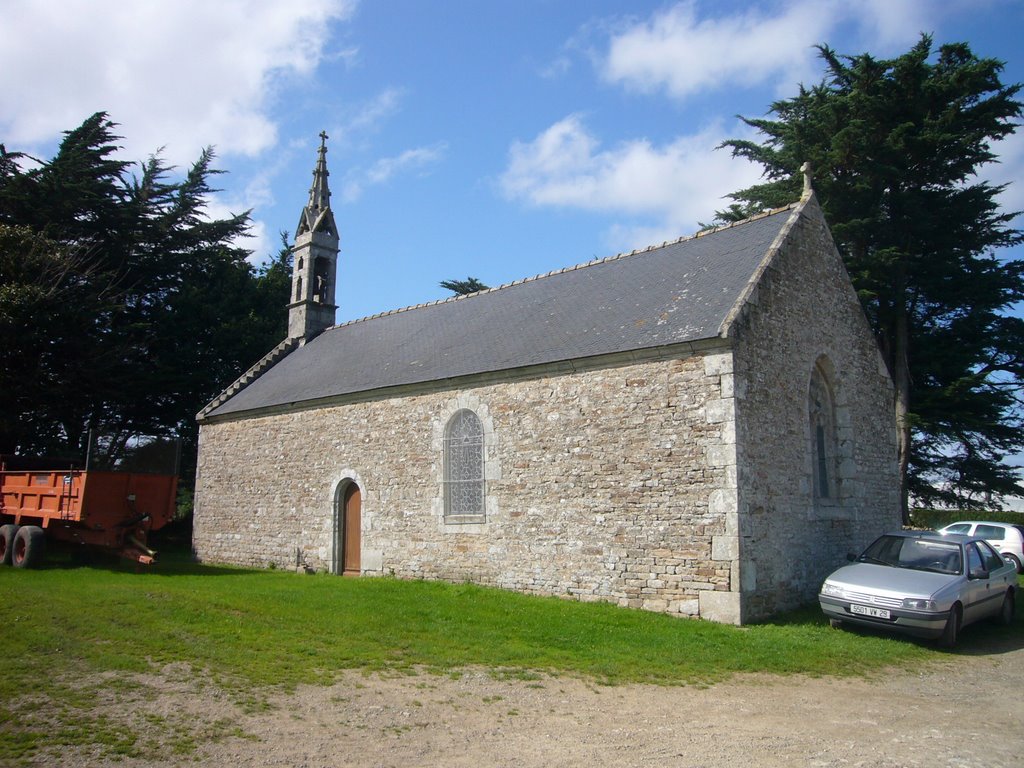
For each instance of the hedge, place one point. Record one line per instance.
(937, 518)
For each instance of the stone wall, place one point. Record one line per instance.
(613, 484)
(804, 312)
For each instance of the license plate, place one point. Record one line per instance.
(868, 610)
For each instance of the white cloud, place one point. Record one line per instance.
(258, 240)
(1009, 170)
(684, 50)
(671, 187)
(411, 159)
(556, 68)
(889, 23)
(379, 108)
(181, 74)
(684, 54)
(418, 160)
(662, 191)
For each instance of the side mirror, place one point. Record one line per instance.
(977, 573)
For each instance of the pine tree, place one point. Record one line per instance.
(896, 146)
(123, 307)
(463, 287)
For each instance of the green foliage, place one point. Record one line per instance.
(463, 287)
(185, 503)
(79, 633)
(124, 308)
(896, 146)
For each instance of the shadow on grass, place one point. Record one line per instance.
(982, 638)
(177, 561)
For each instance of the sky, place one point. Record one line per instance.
(497, 139)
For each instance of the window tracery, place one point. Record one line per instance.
(464, 467)
(824, 437)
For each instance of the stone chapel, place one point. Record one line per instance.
(704, 427)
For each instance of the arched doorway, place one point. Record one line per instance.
(347, 512)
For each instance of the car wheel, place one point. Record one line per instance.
(1009, 609)
(835, 623)
(1014, 560)
(951, 632)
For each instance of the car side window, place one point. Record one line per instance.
(958, 528)
(974, 562)
(990, 532)
(993, 559)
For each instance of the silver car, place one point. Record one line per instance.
(922, 583)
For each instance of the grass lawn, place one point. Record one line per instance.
(71, 634)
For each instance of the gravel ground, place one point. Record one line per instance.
(962, 711)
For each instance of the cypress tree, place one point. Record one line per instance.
(896, 146)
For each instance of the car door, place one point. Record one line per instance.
(986, 581)
(1001, 573)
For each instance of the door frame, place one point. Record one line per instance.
(347, 501)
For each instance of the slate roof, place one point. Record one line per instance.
(677, 292)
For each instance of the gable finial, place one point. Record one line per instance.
(805, 169)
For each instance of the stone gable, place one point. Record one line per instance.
(804, 312)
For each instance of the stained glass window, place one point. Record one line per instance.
(464, 466)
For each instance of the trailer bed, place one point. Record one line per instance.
(112, 510)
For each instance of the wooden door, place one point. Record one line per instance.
(350, 531)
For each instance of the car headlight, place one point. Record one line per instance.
(918, 604)
(832, 590)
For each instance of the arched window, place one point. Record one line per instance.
(321, 268)
(824, 437)
(464, 468)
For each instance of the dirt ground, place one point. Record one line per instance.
(963, 711)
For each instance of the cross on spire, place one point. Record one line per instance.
(319, 194)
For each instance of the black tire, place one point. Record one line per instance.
(951, 632)
(1008, 611)
(28, 547)
(7, 534)
(835, 623)
(1012, 558)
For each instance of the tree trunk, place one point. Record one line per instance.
(901, 380)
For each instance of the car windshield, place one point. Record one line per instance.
(957, 528)
(916, 554)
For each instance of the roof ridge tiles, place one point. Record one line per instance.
(593, 262)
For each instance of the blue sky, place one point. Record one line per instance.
(498, 139)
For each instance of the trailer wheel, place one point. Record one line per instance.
(7, 534)
(28, 547)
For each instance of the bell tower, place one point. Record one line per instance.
(314, 259)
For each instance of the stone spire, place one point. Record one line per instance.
(315, 259)
(317, 213)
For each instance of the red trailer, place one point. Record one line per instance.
(110, 510)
